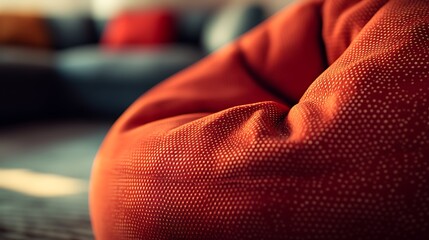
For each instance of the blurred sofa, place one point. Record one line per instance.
(78, 76)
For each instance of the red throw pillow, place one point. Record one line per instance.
(149, 27)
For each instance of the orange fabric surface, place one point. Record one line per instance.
(24, 30)
(140, 28)
(313, 126)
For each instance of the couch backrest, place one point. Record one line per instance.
(67, 32)
(209, 29)
(80, 30)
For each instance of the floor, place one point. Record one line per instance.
(44, 177)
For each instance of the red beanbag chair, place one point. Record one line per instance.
(313, 126)
(140, 28)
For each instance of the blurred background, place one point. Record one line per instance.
(68, 69)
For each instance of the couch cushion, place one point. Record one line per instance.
(229, 23)
(25, 57)
(107, 81)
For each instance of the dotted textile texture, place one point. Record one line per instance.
(315, 125)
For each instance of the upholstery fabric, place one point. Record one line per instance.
(313, 126)
(139, 28)
(27, 30)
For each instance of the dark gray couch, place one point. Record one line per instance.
(81, 78)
